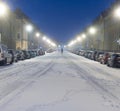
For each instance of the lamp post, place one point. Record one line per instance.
(116, 14)
(38, 35)
(3, 12)
(92, 31)
(3, 9)
(29, 29)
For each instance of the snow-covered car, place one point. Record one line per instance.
(14, 55)
(114, 60)
(105, 57)
(5, 56)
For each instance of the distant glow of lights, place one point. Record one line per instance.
(48, 41)
(72, 43)
(29, 28)
(79, 39)
(83, 36)
(37, 34)
(3, 9)
(44, 38)
(65, 46)
(92, 30)
(53, 44)
(59, 46)
(117, 12)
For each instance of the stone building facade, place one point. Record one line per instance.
(13, 31)
(107, 36)
(8, 30)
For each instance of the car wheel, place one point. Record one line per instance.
(4, 62)
(11, 62)
(113, 64)
(108, 65)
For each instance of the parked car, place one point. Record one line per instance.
(50, 50)
(105, 57)
(26, 54)
(5, 56)
(14, 55)
(41, 52)
(20, 55)
(90, 54)
(82, 52)
(100, 57)
(86, 54)
(97, 55)
(32, 54)
(93, 56)
(114, 60)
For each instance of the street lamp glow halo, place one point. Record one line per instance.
(65, 46)
(53, 44)
(92, 30)
(72, 43)
(79, 39)
(117, 12)
(59, 46)
(37, 34)
(44, 38)
(48, 41)
(29, 28)
(3, 9)
(83, 36)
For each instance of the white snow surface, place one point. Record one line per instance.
(56, 82)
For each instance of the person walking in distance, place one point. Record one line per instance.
(61, 50)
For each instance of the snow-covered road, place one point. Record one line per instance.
(56, 82)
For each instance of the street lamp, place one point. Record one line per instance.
(3, 9)
(72, 43)
(65, 46)
(92, 30)
(48, 41)
(44, 38)
(53, 44)
(29, 28)
(117, 12)
(83, 36)
(79, 39)
(37, 34)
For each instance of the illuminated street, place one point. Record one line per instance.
(59, 55)
(58, 82)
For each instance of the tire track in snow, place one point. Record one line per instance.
(18, 90)
(96, 84)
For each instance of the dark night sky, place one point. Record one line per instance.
(61, 19)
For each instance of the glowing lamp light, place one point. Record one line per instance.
(37, 34)
(59, 46)
(83, 36)
(92, 30)
(117, 12)
(65, 46)
(48, 41)
(3, 9)
(29, 28)
(44, 38)
(72, 43)
(53, 44)
(79, 39)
